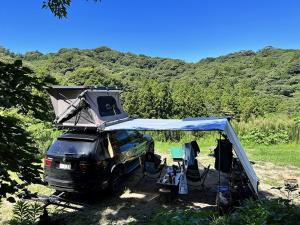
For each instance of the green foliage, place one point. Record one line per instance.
(25, 213)
(272, 129)
(183, 217)
(21, 104)
(252, 212)
(44, 133)
(17, 153)
(59, 8)
(277, 211)
(20, 88)
(244, 84)
(266, 137)
(188, 101)
(152, 100)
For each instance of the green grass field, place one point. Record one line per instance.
(281, 154)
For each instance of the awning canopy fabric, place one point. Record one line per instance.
(204, 124)
(194, 124)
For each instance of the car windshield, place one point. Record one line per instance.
(76, 147)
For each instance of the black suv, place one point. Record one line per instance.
(80, 162)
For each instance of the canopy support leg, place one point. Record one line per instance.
(219, 171)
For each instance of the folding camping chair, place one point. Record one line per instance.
(182, 157)
(178, 155)
(152, 165)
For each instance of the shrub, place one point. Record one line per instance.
(26, 213)
(273, 212)
(272, 129)
(252, 212)
(183, 217)
(266, 137)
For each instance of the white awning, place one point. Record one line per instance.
(204, 124)
(194, 124)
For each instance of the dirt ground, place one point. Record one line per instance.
(272, 180)
(138, 200)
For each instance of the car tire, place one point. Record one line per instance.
(151, 147)
(116, 180)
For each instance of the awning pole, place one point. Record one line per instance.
(219, 172)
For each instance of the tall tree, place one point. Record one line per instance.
(18, 95)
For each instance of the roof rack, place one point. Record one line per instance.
(85, 87)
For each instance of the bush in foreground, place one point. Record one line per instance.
(268, 212)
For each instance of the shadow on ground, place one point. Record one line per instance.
(137, 202)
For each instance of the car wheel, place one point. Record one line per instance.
(151, 147)
(116, 180)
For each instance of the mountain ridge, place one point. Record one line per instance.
(269, 77)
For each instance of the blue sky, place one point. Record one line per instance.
(188, 30)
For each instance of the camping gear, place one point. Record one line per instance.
(170, 176)
(290, 185)
(223, 199)
(58, 199)
(193, 175)
(177, 153)
(83, 107)
(151, 164)
(223, 155)
(183, 186)
(172, 182)
(86, 107)
(238, 181)
(204, 175)
(192, 171)
(191, 151)
(199, 124)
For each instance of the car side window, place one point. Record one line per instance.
(134, 135)
(120, 136)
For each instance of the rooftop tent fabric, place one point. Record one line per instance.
(199, 124)
(86, 107)
(74, 108)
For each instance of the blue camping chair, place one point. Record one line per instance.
(152, 165)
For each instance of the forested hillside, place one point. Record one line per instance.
(243, 84)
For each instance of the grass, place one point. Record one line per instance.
(272, 182)
(281, 154)
(6, 207)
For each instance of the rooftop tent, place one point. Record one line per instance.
(193, 124)
(86, 107)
